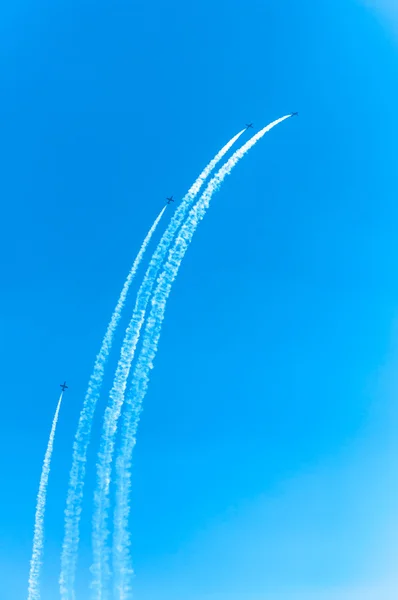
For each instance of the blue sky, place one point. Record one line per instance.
(265, 467)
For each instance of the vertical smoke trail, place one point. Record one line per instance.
(37, 551)
(100, 568)
(82, 437)
(121, 544)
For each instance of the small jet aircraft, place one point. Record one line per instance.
(63, 386)
(250, 125)
(169, 199)
(295, 114)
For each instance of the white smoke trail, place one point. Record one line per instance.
(100, 568)
(134, 399)
(82, 437)
(37, 551)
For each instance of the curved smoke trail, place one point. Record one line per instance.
(37, 551)
(100, 568)
(139, 385)
(82, 437)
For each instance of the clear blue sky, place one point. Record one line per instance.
(266, 462)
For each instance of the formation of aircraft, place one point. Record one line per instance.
(170, 199)
(250, 125)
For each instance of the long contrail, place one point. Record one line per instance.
(38, 536)
(100, 568)
(140, 379)
(82, 437)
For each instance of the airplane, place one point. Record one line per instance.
(294, 114)
(250, 125)
(169, 199)
(63, 386)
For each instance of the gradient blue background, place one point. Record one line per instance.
(265, 467)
